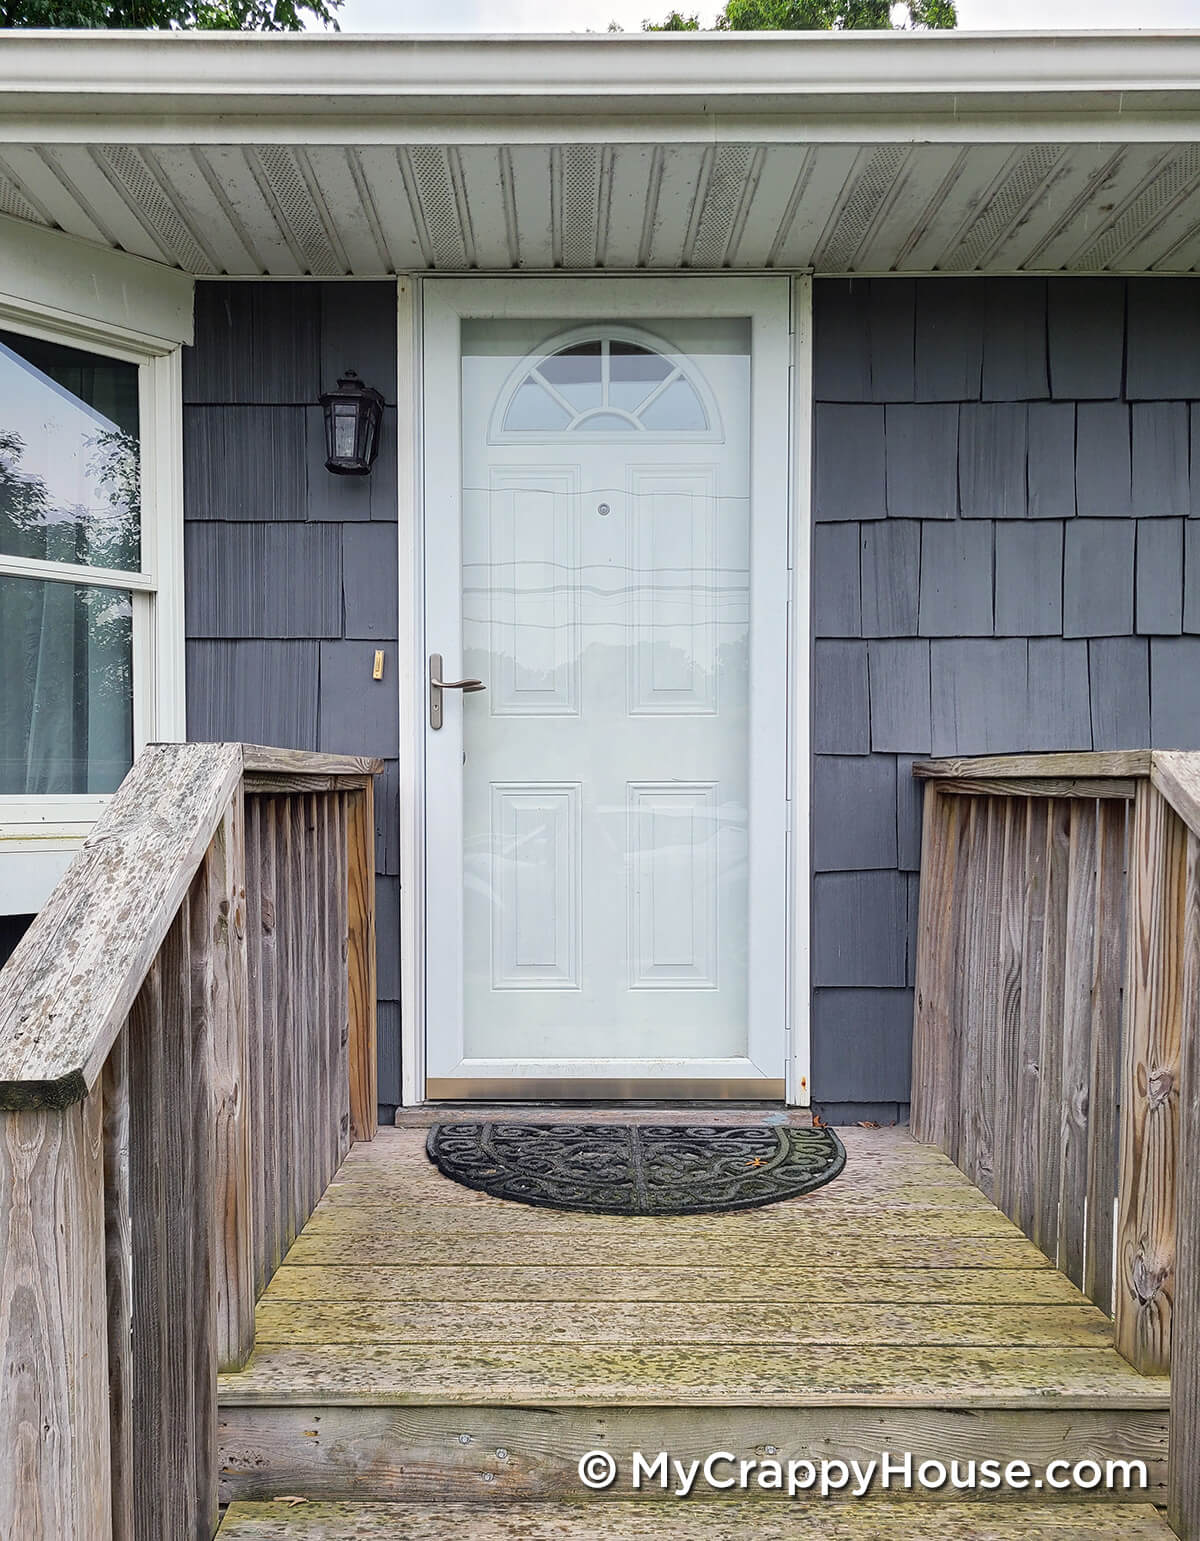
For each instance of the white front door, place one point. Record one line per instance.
(606, 552)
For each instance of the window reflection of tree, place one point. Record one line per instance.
(66, 689)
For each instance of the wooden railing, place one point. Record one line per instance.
(1056, 1044)
(187, 1047)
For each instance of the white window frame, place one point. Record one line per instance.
(40, 832)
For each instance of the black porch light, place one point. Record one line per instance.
(353, 415)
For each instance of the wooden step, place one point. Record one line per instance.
(664, 1520)
(424, 1343)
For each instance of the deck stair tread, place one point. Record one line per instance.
(672, 1520)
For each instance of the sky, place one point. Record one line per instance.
(595, 15)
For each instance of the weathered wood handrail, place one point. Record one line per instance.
(187, 1045)
(1056, 1028)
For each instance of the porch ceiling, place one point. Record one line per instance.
(854, 154)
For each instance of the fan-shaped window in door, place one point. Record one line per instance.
(612, 385)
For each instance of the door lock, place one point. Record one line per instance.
(437, 684)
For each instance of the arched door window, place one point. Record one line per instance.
(612, 384)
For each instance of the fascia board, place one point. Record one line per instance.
(89, 85)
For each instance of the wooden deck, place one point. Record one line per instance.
(728, 1520)
(424, 1342)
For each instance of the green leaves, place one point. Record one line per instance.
(814, 16)
(171, 15)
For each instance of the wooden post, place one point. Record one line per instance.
(1183, 1478)
(360, 962)
(229, 1010)
(1145, 1283)
(935, 1070)
(54, 1421)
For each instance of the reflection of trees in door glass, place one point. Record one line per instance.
(606, 386)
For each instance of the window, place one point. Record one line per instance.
(82, 561)
(605, 386)
(69, 499)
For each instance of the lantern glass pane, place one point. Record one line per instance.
(345, 424)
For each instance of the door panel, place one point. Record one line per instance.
(614, 801)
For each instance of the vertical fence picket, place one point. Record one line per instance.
(1107, 975)
(1050, 1057)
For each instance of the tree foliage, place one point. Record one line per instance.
(812, 16)
(171, 15)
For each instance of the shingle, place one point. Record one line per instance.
(956, 579)
(1029, 573)
(854, 812)
(1160, 577)
(1059, 711)
(1160, 459)
(891, 578)
(1164, 340)
(848, 476)
(255, 343)
(949, 339)
(910, 800)
(387, 937)
(1119, 669)
(1050, 465)
(836, 590)
(388, 1028)
(922, 461)
(859, 921)
(243, 462)
(358, 715)
(991, 460)
(1175, 692)
(262, 580)
(1014, 340)
(1103, 470)
(899, 674)
(841, 340)
(358, 331)
(1086, 329)
(213, 365)
(841, 703)
(1098, 578)
(913, 928)
(387, 819)
(979, 696)
(862, 1044)
(1191, 579)
(892, 305)
(255, 692)
(370, 585)
(1194, 460)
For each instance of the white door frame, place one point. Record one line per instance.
(413, 650)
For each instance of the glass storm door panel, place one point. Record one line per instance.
(606, 777)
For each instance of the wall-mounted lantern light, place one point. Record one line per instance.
(353, 415)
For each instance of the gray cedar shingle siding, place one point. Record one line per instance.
(291, 578)
(1045, 550)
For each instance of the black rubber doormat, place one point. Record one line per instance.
(648, 1169)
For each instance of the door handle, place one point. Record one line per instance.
(437, 684)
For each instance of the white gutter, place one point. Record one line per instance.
(91, 86)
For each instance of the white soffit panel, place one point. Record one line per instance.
(845, 153)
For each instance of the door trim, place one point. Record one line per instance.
(410, 433)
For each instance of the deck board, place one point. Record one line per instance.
(406, 1289)
(718, 1520)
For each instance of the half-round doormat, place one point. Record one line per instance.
(647, 1169)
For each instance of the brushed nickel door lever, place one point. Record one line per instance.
(437, 684)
